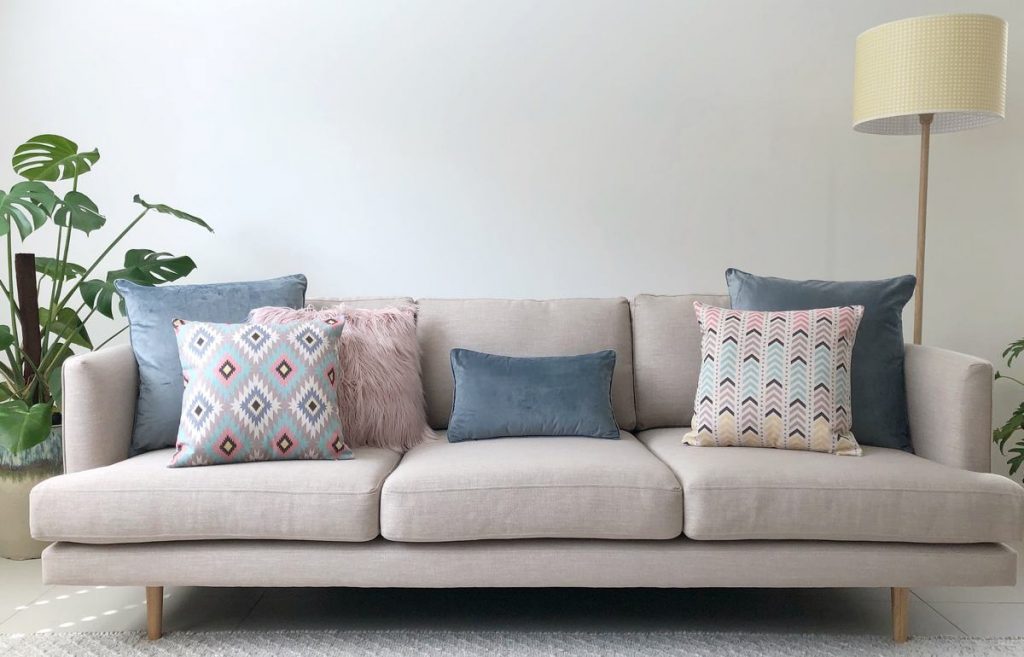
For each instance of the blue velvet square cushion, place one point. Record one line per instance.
(151, 313)
(502, 396)
(876, 376)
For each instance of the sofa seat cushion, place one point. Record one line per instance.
(533, 487)
(737, 493)
(141, 500)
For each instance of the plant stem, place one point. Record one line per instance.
(101, 256)
(104, 343)
(62, 262)
(1015, 380)
(58, 281)
(63, 347)
(19, 365)
(7, 293)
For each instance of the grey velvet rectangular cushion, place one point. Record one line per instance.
(523, 327)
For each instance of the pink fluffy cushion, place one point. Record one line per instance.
(380, 394)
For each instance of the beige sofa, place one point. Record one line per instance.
(643, 511)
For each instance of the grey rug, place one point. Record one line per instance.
(510, 644)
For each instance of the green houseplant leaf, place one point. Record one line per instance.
(166, 209)
(1016, 461)
(1013, 351)
(51, 157)
(1002, 435)
(22, 426)
(6, 339)
(148, 267)
(55, 269)
(78, 211)
(54, 357)
(67, 324)
(27, 206)
(99, 296)
(55, 386)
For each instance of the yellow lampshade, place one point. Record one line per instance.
(952, 66)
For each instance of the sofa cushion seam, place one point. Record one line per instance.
(387, 491)
(932, 491)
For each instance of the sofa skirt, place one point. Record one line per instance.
(679, 563)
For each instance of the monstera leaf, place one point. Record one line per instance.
(67, 324)
(54, 358)
(78, 211)
(27, 206)
(57, 270)
(166, 209)
(147, 267)
(99, 295)
(51, 157)
(22, 426)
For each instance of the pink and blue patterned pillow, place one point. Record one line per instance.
(259, 392)
(776, 379)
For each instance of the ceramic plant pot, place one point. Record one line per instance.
(18, 474)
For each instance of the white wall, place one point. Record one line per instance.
(537, 149)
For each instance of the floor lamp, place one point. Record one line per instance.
(929, 74)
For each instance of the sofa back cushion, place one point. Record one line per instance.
(519, 327)
(666, 351)
(369, 303)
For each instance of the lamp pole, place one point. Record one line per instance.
(922, 220)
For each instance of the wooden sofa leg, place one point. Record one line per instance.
(155, 612)
(900, 611)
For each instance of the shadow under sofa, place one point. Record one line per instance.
(643, 511)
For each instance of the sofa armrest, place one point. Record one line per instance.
(100, 389)
(949, 398)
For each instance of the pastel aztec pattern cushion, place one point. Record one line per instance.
(259, 392)
(381, 392)
(775, 379)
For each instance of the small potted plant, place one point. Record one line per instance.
(1002, 435)
(49, 300)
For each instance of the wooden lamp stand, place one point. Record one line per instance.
(922, 220)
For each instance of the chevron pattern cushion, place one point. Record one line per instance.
(259, 392)
(775, 379)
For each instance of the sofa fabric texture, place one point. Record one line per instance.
(949, 402)
(536, 563)
(259, 392)
(775, 379)
(877, 377)
(666, 355)
(140, 500)
(816, 519)
(150, 313)
(511, 488)
(380, 393)
(519, 327)
(885, 495)
(106, 379)
(502, 396)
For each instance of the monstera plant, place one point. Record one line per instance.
(50, 298)
(1002, 435)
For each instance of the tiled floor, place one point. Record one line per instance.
(26, 606)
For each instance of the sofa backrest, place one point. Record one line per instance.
(517, 327)
(361, 302)
(656, 341)
(666, 355)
